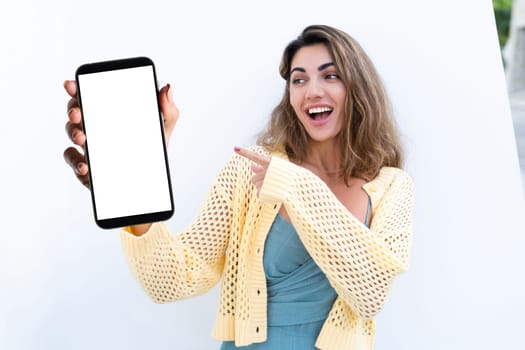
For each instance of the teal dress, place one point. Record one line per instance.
(299, 294)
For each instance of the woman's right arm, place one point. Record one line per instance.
(172, 267)
(168, 267)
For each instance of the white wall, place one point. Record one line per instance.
(64, 283)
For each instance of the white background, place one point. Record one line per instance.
(64, 283)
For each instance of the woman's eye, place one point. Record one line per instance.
(297, 81)
(332, 76)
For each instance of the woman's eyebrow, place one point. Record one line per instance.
(320, 68)
(324, 66)
(300, 69)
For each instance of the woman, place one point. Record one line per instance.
(309, 228)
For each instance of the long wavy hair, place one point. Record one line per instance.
(369, 139)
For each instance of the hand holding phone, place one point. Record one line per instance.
(125, 148)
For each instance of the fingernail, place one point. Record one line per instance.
(168, 93)
(237, 149)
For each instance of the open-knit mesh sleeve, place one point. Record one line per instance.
(171, 267)
(359, 262)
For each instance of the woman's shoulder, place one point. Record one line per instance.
(388, 177)
(392, 173)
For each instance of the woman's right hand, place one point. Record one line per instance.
(76, 159)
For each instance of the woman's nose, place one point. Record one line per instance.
(314, 89)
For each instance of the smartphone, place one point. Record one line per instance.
(125, 142)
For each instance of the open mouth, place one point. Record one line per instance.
(319, 113)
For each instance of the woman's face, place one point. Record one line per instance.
(317, 94)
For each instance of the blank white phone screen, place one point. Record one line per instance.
(125, 145)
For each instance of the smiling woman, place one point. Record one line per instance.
(309, 228)
(330, 77)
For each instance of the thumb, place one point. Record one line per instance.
(169, 109)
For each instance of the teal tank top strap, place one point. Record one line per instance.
(368, 213)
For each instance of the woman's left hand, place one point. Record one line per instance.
(259, 166)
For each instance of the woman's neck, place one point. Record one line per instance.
(324, 160)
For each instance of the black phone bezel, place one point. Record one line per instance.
(105, 66)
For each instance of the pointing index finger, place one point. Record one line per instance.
(254, 157)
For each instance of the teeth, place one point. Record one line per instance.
(319, 110)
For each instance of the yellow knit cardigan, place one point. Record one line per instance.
(227, 240)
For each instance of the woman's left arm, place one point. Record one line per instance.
(359, 262)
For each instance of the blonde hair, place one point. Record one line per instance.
(369, 139)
